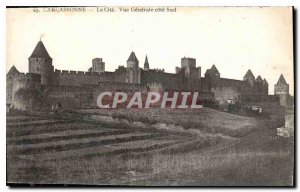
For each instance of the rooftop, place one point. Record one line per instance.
(132, 57)
(281, 81)
(40, 51)
(249, 74)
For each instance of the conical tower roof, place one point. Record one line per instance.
(40, 51)
(132, 57)
(249, 74)
(13, 70)
(281, 81)
(259, 79)
(213, 70)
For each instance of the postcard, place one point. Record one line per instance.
(150, 96)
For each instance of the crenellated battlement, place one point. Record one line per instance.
(82, 72)
(158, 70)
(187, 62)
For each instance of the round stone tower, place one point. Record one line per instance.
(281, 88)
(132, 61)
(41, 63)
(133, 73)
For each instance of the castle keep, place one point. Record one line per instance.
(46, 86)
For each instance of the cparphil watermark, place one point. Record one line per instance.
(180, 100)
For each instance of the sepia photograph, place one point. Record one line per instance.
(150, 96)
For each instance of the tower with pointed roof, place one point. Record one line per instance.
(259, 87)
(133, 73)
(12, 71)
(40, 62)
(259, 79)
(146, 64)
(281, 88)
(249, 77)
(11, 74)
(212, 78)
(132, 61)
(213, 72)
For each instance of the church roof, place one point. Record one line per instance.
(13, 70)
(146, 62)
(249, 74)
(281, 81)
(40, 51)
(259, 78)
(132, 57)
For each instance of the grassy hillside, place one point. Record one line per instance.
(205, 120)
(171, 147)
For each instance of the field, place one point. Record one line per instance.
(153, 148)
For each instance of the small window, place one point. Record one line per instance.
(37, 59)
(37, 68)
(45, 60)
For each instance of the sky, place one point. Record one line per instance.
(235, 39)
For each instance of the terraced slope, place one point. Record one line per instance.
(204, 147)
